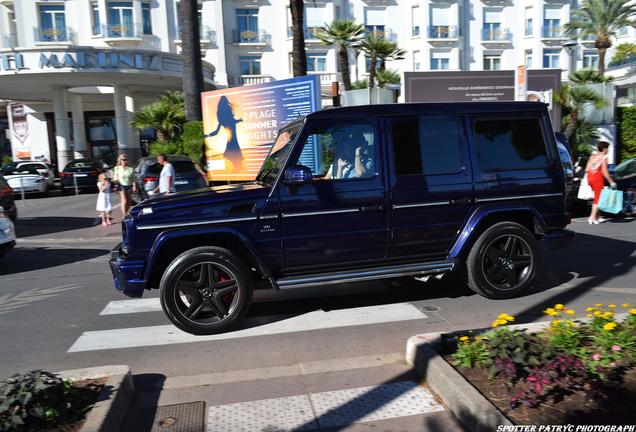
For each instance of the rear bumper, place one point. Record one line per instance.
(127, 274)
(558, 239)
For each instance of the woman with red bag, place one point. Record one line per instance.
(597, 172)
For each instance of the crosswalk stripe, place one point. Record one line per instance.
(325, 409)
(116, 307)
(316, 320)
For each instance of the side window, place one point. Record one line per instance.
(426, 146)
(340, 151)
(510, 144)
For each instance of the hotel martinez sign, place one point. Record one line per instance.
(95, 60)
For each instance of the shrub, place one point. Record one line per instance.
(623, 52)
(189, 143)
(627, 127)
(471, 352)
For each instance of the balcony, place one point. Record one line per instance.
(326, 78)
(553, 33)
(496, 36)
(382, 34)
(443, 33)
(241, 80)
(117, 34)
(53, 35)
(310, 33)
(206, 34)
(588, 40)
(258, 38)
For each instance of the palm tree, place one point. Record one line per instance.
(191, 52)
(395, 54)
(602, 19)
(299, 55)
(388, 76)
(588, 76)
(573, 99)
(343, 34)
(377, 48)
(166, 116)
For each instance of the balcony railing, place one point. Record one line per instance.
(10, 40)
(251, 79)
(552, 33)
(122, 31)
(52, 34)
(629, 61)
(382, 34)
(310, 32)
(496, 35)
(260, 37)
(326, 78)
(206, 34)
(443, 32)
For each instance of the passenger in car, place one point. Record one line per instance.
(351, 158)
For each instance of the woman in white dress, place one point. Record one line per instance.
(103, 199)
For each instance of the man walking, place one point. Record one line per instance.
(166, 178)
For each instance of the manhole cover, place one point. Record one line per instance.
(428, 308)
(186, 417)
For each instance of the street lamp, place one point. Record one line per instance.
(570, 48)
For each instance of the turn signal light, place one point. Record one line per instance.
(6, 191)
(149, 179)
(66, 174)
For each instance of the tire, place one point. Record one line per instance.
(197, 293)
(503, 262)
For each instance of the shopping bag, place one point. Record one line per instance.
(585, 190)
(611, 201)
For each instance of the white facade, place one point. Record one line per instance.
(243, 42)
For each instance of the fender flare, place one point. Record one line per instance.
(167, 236)
(481, 213)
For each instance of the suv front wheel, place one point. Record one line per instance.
(503, 262)
(205, 290)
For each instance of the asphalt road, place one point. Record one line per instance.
(55, 286)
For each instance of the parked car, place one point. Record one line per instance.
(355, 194)
(188, 176)
(7, 202)
(7, 234)
(25, 178)
(42, 167)
(83, 172)
(624, 174)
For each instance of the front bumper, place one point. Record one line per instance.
(558, 239)
(127, 274)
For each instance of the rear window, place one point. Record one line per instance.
(21, 170)
(82, 164)
(179, 166)
(510, 144)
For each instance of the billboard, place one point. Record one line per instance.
(483, 86)
(19, 126)
(240, 123)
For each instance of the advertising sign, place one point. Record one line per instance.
(19, 127)
(482, 86)
(521, 84)
(241, 123)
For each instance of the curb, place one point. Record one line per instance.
(112, 403)
(114, 239)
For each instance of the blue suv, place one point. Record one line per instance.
(354, 194)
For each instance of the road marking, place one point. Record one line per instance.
(305, 368)
(11, 302)
(316, 320)
(325, 409)
(116, 307)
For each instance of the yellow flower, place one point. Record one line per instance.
(464, 338)
(632, 311)
(569, 312)
(608, 315)
(570, 323)
(625, 305)
(598, 304)
(559, 307)
(590, 309)
(611, 306)
(598, 314)
(609, 326)
(590, 315)
(550, 311)
(556, 323)
(495, 324)
(477, 338)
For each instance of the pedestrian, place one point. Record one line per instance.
(597, 172)
(103, 199)
(123, 178)
(166, 178)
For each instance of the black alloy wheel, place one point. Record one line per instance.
(503, 262)
(205, 290)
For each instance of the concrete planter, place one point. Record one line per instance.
(362, 97)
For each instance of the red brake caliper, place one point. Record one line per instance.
(227, 297)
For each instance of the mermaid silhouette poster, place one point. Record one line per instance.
(241, 123)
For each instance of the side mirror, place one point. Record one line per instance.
(297, 174)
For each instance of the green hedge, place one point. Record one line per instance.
(627, 127)
(189, 143)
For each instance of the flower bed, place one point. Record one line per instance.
(572, 372)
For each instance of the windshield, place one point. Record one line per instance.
(626, 168)
(274, 162)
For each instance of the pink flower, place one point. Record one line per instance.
(596, 356)
(616, 347)
(613, 364)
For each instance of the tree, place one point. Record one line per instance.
(191, 51)
(378, 48)
(602, 19)
(342, 34)
(166, 116)
(573, 99)
(388, 76)
(623, 52)
(395, 54)
(299, 55)
(588, 76)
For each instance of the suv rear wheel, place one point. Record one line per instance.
(205, 290)
(503, 262)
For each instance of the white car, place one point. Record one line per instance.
(41, 167)
(7, 234)
(25, 179)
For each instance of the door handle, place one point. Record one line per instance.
(462, 201)
(371, 208)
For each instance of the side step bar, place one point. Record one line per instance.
(365, 274)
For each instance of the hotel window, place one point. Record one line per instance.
(416, 60)
(551, 58)
(314, 21)
(440, 23)
(316, 62)
(440, 60)
(374, 22)
(367, 63)
(52, 24)
(120, 19)
(528, 61)
(492, 25)
(147, 21)
(528, 21)
(492, 61)
(247, 25)
(416, 21)
(552, 22)
(97, 26)
(590, 59)
(250, 65)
